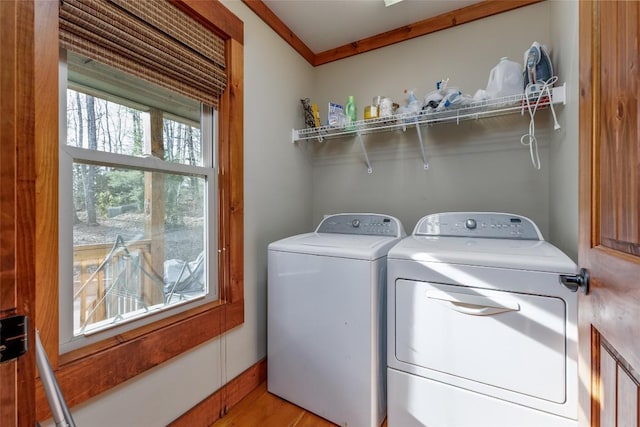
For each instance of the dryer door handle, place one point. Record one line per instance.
(475, 305)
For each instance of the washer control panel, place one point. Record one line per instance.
(364, 224)
(490, 225)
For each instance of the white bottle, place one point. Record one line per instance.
(505, 79)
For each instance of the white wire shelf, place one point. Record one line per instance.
(475, 110)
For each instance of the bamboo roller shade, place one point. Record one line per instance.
(152, 40)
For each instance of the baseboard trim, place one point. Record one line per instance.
(219, 403)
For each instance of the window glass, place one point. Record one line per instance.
(115, 274)
(99, 124)
(139, 224)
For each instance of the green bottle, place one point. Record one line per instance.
(351, 113)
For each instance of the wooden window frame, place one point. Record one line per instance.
(87, 372)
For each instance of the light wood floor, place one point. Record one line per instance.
(263, 409)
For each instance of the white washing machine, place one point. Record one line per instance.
(326, 314)
(481, 331)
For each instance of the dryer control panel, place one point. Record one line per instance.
(490, 225)
(364, 224)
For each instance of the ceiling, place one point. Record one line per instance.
(323, 31)
(326, 24)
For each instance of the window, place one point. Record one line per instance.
(140, 215)
(88, 371)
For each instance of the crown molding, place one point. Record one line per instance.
(270, 18)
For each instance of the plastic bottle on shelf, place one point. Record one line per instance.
(505, 79)
(414, 106)
(351, 112)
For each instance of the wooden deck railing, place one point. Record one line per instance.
(112, 279)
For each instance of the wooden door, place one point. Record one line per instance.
(17, 196)
(609, 316)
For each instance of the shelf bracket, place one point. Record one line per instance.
(425, 162)
(364, 151)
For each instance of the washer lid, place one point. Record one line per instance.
(365, 236)
(531, 255)
(336, 245)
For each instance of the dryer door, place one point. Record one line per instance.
(502, 339)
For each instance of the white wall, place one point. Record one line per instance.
(277, 198)
(474, 166)
(563, 196)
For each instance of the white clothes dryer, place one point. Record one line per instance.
(481, 331)
(326, 318)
